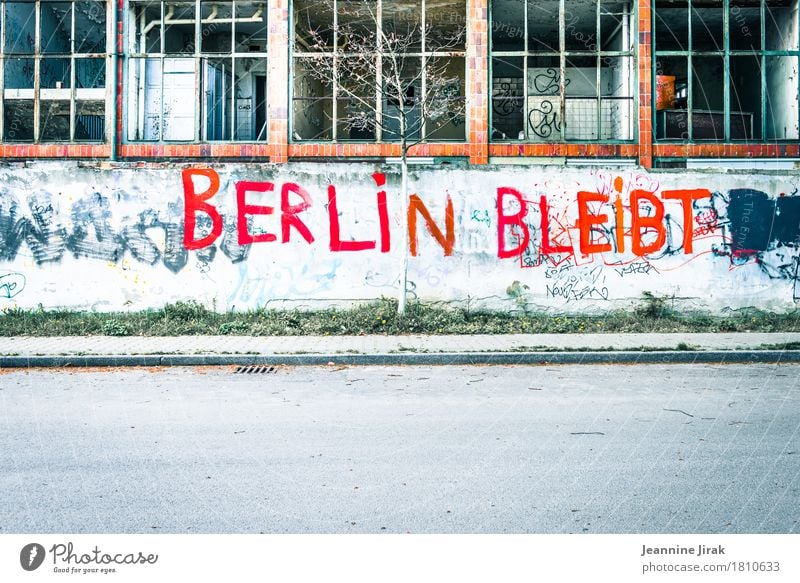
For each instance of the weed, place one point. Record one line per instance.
(516, 292)
(115, 328)
(233, 328)
(652, 306)
(185, 311)
(191, 318)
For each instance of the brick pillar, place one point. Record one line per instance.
(117, 131)
(478, 80)
(278, 80)
(645, 53)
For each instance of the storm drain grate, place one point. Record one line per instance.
(255, 369)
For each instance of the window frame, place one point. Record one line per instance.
(380, 98)
(563, 54)
(71, 95)
(726, 54)
(197, 56)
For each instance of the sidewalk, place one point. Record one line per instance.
(472, 349)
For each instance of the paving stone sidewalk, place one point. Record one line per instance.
(386, 345)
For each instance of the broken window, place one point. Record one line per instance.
(562, 70)
(726, 70)
(197, 71)
(361, 70)
(53, 75)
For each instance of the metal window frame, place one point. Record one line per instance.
(131, 56)
(74, 95)
(423, 55)
(726, 53)
(631, 53)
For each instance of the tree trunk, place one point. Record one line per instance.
(401, 302)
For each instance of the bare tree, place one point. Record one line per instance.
(391, 78)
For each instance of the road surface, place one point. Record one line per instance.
(467, 449)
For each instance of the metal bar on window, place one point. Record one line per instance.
(762, 69)
(562, 69)
(379, 74)
(525, 74)
(2, 69)
(726, 87)
(160, 135)
(689, 75)
(423, 125)
(36, 71)
(199, 74)
(335, 65)
(232, 110)
(72, 74)
(598, 91)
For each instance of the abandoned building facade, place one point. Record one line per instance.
(658, 83)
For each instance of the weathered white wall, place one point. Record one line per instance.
(112, 239)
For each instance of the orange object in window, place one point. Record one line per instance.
(665, 92)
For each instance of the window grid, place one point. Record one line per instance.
(26, 57)
(688, 115)
(304, 100)
(545, 122)
(223, 89)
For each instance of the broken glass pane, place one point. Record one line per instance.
(90, 118)
(20, 27)
(54, 121)
(56, 27)
(18, 120)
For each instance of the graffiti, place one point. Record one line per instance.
(570, 238)
(11, 284)
(750, 233)
(572, 285)
(507, 100)
(637, 268)
(647, 231)
(573, 289)
(548, 83)
(481, 216)
(91, 235)
(707, 223)
(543, 120)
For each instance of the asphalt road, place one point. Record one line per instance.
(487, 449)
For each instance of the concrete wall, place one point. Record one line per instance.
(116, 239)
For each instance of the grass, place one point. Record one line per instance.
(190, 318)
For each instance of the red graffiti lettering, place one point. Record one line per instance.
(383, 212)
(244, 209)
(415, 205)
(639, 222)
(194, 202)
(289, 212)
(515, 220)
(548, 247)
(687, 198)
(587, 220)
(619, 227)
(333, 218)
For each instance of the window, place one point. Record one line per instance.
(362, 69)
(562, 70)
(53, 62)
(197, 71)
(726, 70)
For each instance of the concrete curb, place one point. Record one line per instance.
(412, 358)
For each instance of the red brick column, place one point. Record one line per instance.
(645, 53)
(478, 80)
(116, 133)
(278, 80)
